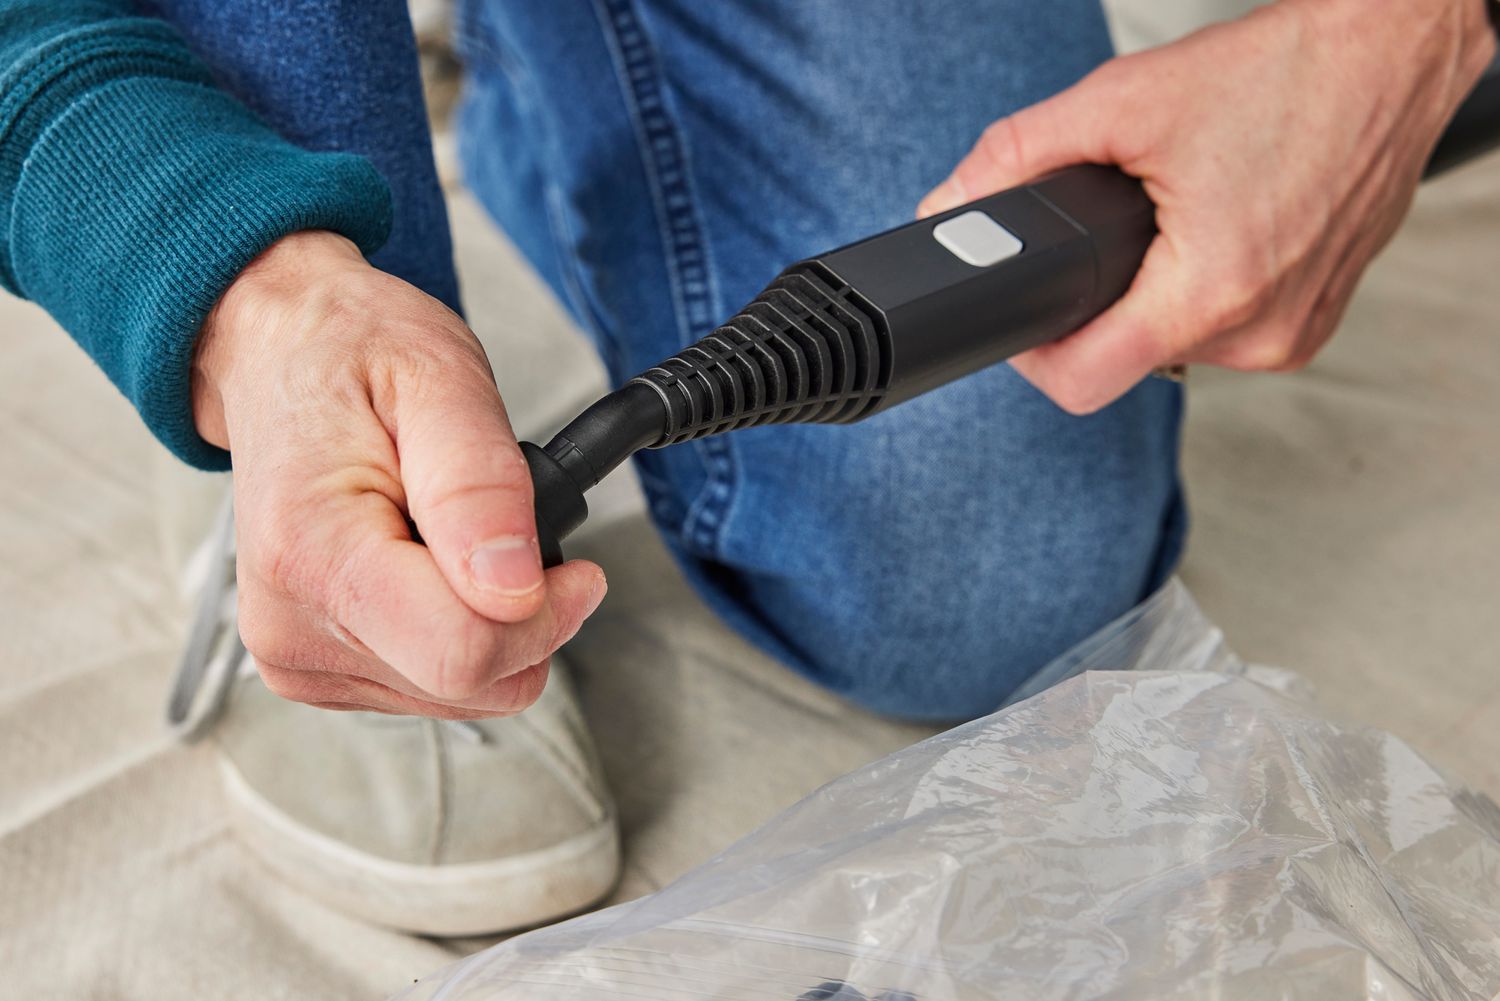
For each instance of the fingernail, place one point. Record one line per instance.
(596, 596)
(508, 566)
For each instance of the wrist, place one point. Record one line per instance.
(1476, 23)
(245, 322)
(1452, 39)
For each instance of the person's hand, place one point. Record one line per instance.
(1282, 151)
(351, 401)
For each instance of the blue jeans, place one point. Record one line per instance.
(659, 161)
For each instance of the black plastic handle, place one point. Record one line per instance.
(1079, 236)
(850, 333)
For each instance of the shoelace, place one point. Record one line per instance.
(838, 990)
(214, 655)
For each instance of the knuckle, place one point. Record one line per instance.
(264, 646)
(1234, 303)
(465, 664)
(1267, 351)
(340, 589)
(433, 710)
(1001, 144)
(1076, 404)
(291, 645)
(452, 364)
(345, 637)
(295, 541)
(1294, 359)
(511, 469)
(529, 686)
(282, 553)
(510, 695)
(1239, 292)
(1072, 394)
(433, 368)
(266, 641)
(503, 470)
(1276, 352)
(565, 625)
(292, 685)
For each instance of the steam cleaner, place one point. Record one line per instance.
(850, 333)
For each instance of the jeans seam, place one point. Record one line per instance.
(695, 299)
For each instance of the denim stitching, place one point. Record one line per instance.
(694, 290)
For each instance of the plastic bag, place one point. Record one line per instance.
(1161, 826)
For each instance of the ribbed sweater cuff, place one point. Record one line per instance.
(140, 202)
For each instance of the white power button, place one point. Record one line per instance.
(976, 239)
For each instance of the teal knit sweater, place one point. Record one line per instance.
(133, 190)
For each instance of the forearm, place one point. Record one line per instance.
(132, 191)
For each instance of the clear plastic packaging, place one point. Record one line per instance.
(1159, 823)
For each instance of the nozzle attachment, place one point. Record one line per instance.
(809, 349)
(560, 507)
(582, 454)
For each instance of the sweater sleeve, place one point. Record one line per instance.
(132, 191)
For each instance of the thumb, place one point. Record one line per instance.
(1069, 128)
(468, 488)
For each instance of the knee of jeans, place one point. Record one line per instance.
(937, 650)
(938, 623)
(925, 571)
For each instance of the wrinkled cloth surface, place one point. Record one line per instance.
(1157, 825)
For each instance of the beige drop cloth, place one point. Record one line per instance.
(1348, 526)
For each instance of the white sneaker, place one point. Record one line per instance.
(439, 828)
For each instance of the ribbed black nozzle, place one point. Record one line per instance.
(807, 350)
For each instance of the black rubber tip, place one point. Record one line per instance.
(560, 507)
